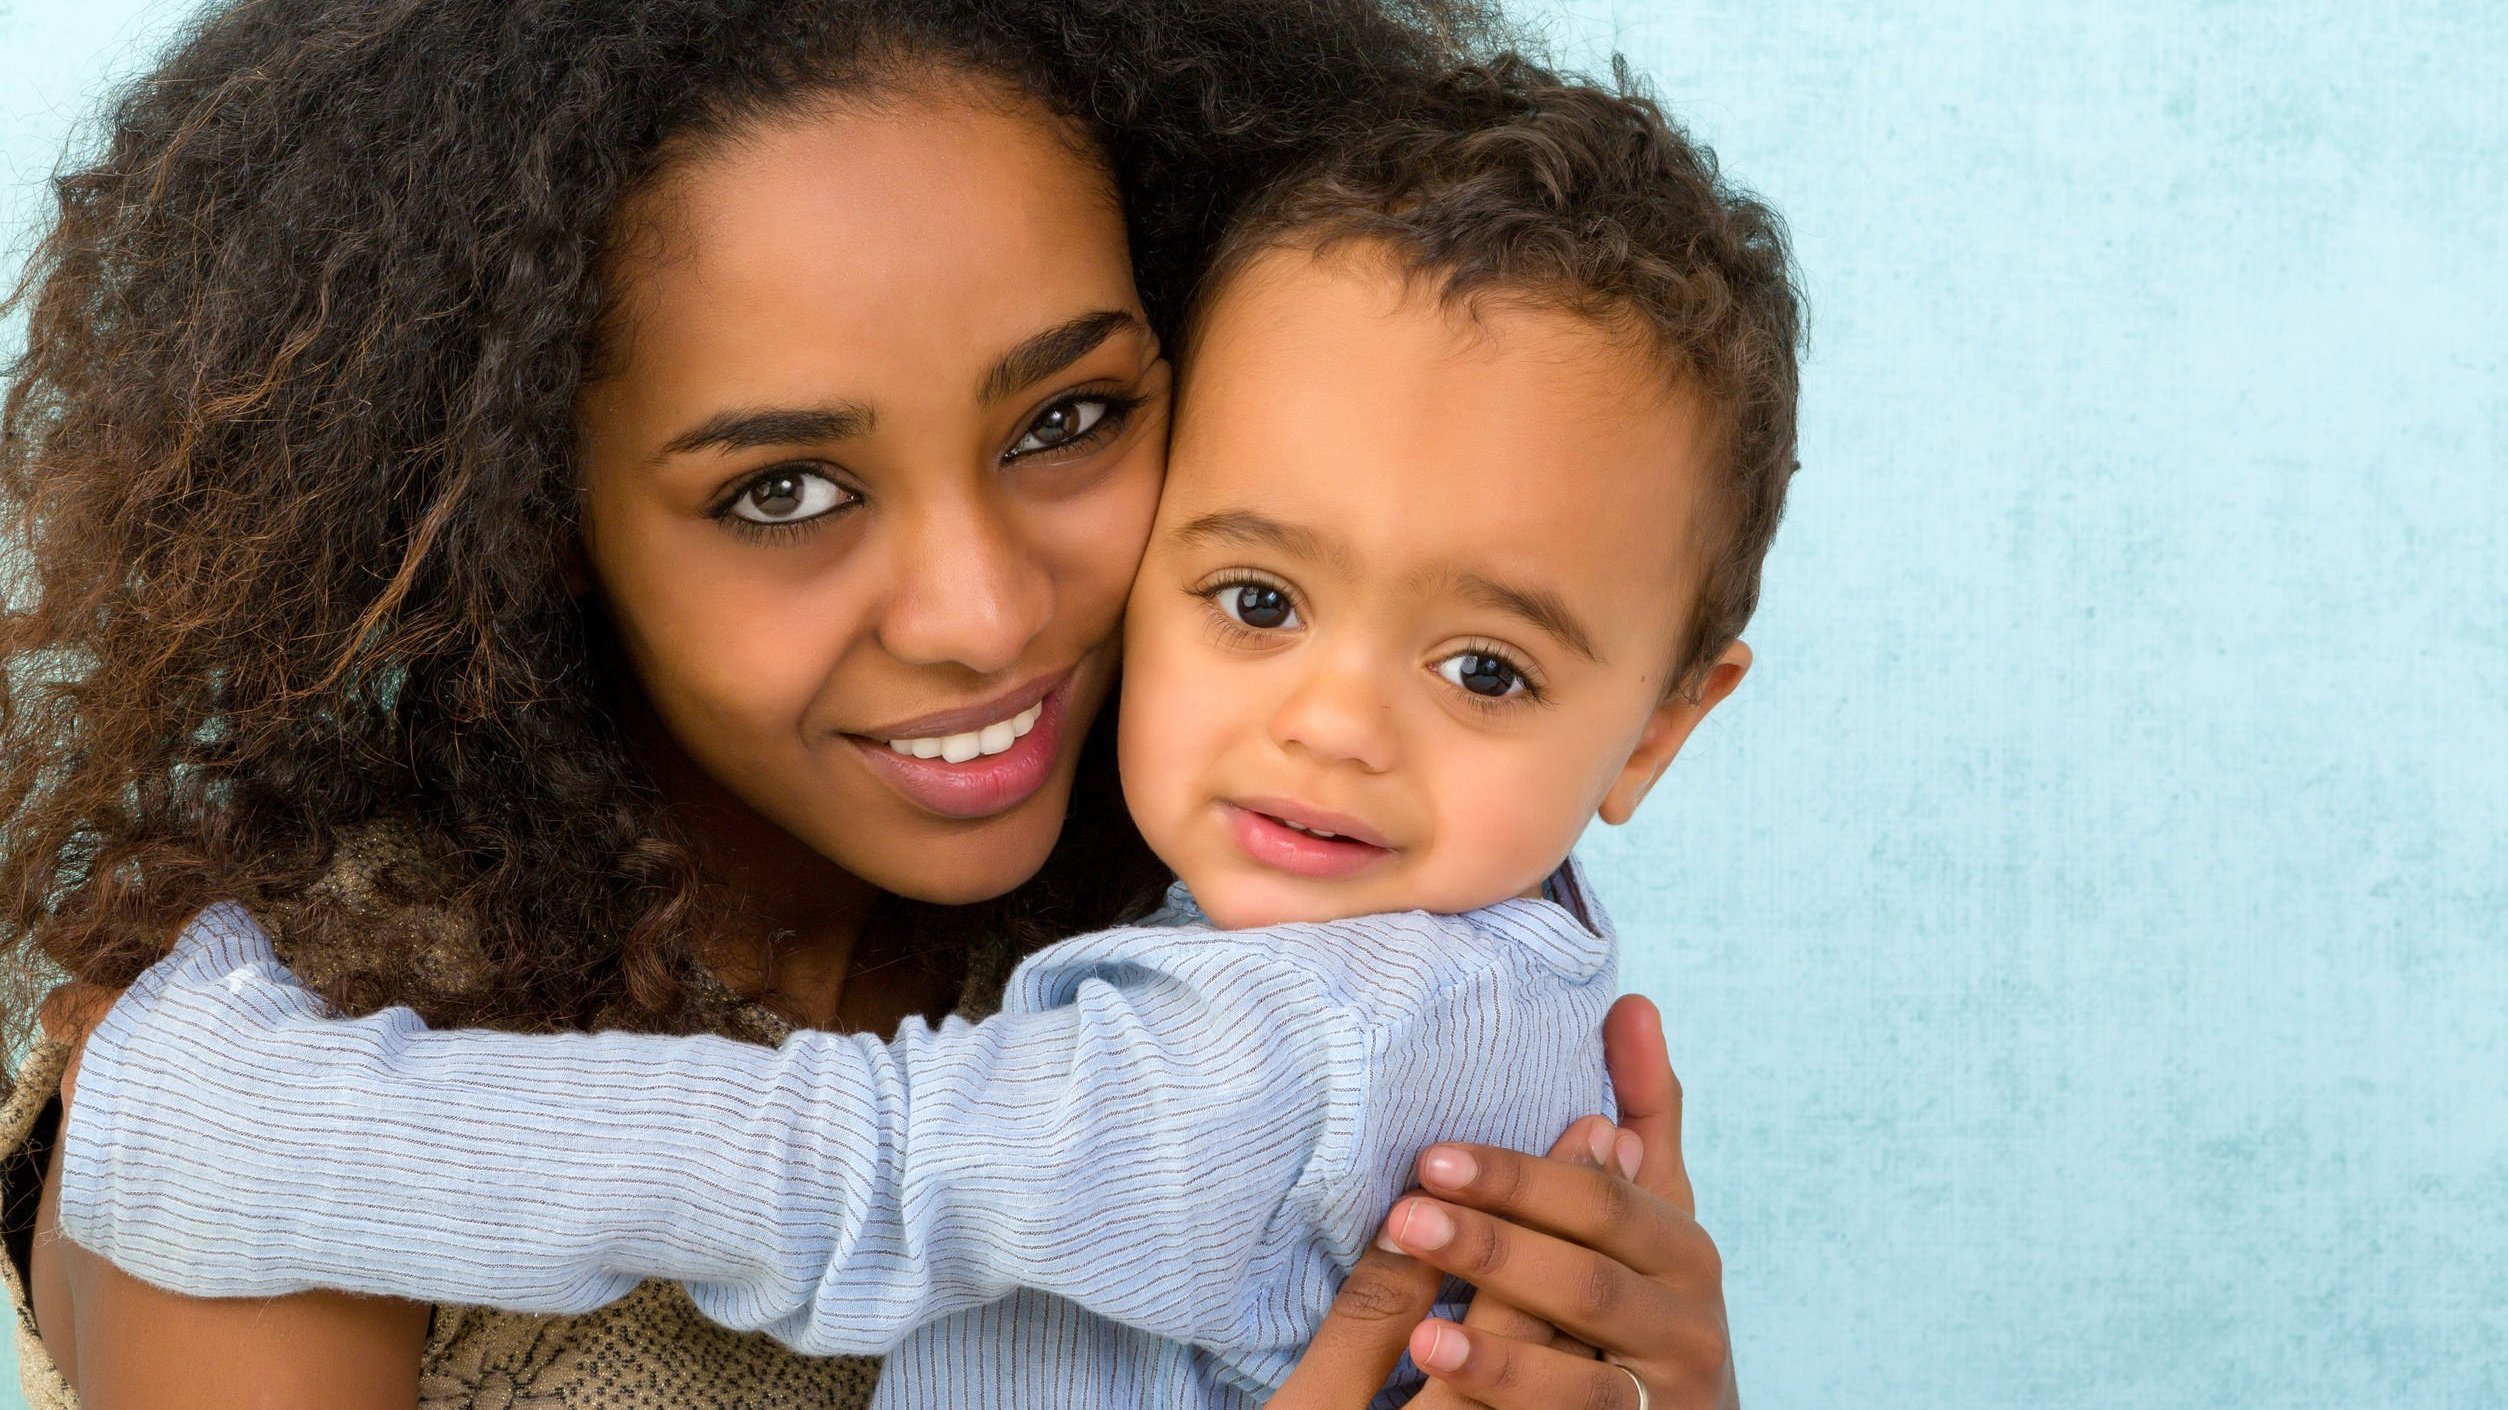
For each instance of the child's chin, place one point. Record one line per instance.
(1250, 903)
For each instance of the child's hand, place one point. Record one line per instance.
(1615, 1259)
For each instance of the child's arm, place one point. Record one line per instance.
(1165, 1148)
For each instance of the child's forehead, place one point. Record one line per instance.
(1353, 323)
(1354, 414)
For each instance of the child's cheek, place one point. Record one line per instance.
(1162, 758)
(1506, 814)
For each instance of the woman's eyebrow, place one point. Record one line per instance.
(1053, 350)
(772, 426)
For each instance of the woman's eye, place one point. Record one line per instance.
(1257, 605)
(1483, 674)
(1061, 424)
(788, 497)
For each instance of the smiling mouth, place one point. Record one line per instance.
(995, 738)
(976, 761)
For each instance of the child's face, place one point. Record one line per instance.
(1417, 578)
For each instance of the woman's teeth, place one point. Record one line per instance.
(958, 748)
(1309, 831)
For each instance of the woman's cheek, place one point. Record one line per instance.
(707, 642)
(1097, 539)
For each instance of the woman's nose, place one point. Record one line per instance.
(971, 590)
(1339, 713)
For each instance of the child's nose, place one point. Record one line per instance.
(1340, 713)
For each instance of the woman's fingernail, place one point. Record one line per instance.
(1628, 1153)
(1439, 1346)
(1600, 1142)
(1446, 1166)
(1421, 1226)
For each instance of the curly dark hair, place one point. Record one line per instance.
(290, 436)
(1511, 179)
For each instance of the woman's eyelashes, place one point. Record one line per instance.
(790, 498)
(1075, 423)
(784, 499)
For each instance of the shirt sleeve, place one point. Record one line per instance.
(1168, 1135)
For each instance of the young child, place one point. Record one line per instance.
(1484, 430)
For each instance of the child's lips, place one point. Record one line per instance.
(1284, 835)
(1308, 818)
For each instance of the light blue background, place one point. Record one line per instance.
(2085, 937)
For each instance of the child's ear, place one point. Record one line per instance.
(1667, 730)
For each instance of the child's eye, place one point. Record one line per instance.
(1064, 423)
(1484, 675)
(788, 496)
(1257, 605)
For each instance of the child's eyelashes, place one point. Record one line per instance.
(1253, 611)
(1249, 606)
(1489, 677)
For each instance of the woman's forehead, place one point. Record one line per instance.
(927, 214)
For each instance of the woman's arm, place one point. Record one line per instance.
(124, 1345)
(1619, 1262)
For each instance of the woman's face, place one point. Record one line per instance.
(868, 474)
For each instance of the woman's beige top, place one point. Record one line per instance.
(651, 1350)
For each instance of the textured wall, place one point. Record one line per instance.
(2083, 935)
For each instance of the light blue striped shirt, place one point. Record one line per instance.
(1140, 1183)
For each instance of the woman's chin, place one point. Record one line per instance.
(961, 865)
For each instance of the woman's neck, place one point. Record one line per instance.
(812, 912)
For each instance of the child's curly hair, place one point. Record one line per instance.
(1512, 180)
(290, 434)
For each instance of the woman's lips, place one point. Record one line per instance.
(987, 784)
(1264, 835)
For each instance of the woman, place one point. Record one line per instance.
(496, 475)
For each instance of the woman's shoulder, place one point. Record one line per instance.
(69, 1307)
(650, 1350)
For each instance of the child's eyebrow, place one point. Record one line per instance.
(1245, 526)
(1542, 608)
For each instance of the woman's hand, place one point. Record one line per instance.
(1590, 1256)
